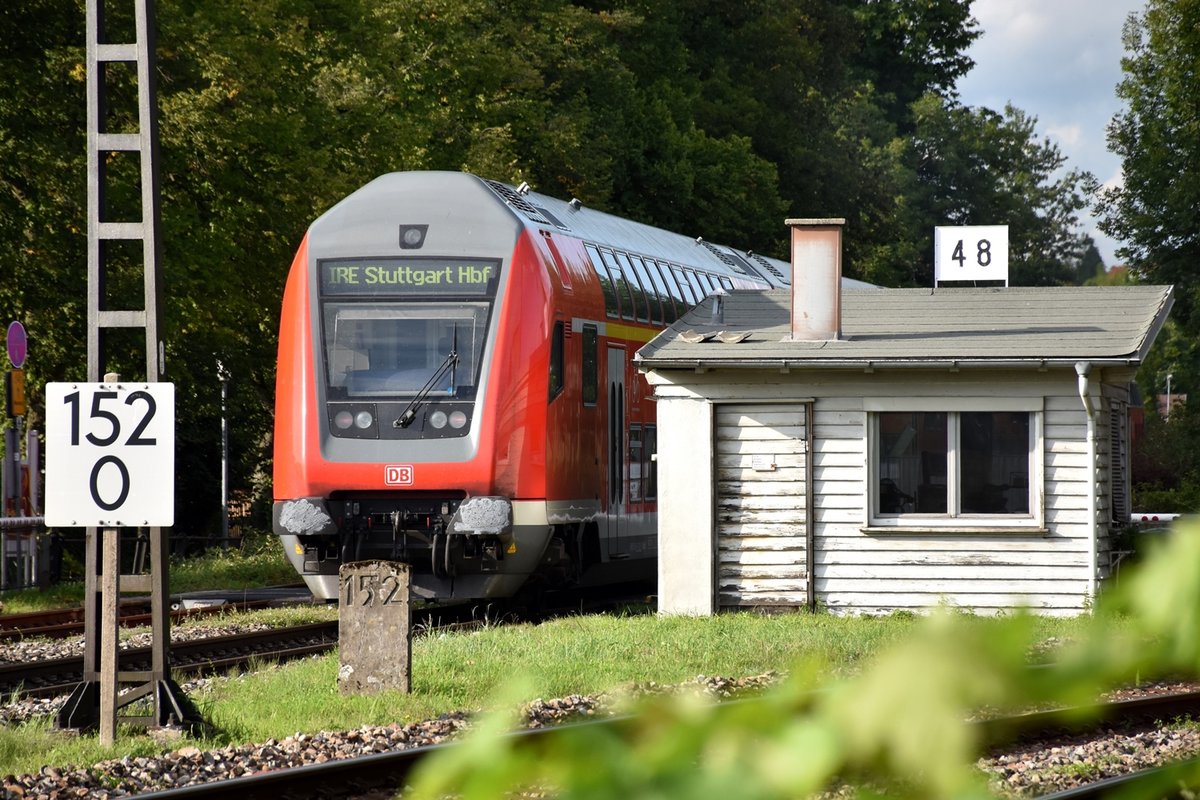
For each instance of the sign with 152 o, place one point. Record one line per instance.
(110, 455)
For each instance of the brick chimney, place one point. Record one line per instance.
(816, 278)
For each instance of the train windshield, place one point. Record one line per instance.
(385, 349)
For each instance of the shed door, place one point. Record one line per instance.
(761, 497)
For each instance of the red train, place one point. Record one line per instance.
(455, 386)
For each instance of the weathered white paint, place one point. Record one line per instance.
(858, 569)
(760, 499)
(686, 543)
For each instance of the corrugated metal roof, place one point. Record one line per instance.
(914, 327)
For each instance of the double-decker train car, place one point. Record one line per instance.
(455, 386)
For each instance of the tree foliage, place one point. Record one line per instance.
(712, 119)
(1157, 136)
(975, 166)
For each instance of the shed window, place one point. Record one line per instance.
(963, 467)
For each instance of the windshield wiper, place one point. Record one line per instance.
(451, 361)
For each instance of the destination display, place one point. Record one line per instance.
(409, 276)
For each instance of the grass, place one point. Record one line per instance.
(499, 666)
(258, 562)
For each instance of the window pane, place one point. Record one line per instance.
(685, 286)
(590, 379)
(624, 290)
(611, 306)
(681, 304)
(556, 360)
(635, 463)
(994, 462)
(912, 463)
(637, 286)
(394, 349)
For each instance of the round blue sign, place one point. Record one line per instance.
(18, 344)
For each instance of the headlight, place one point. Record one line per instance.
(363, 419)
(438, 419)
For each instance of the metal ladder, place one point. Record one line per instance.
(95, 701)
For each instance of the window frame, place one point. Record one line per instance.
(953, 521)
(557, 378)
(589, 390)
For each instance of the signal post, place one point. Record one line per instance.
(110, 443)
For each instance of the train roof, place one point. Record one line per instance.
(602, 228)
(348, 223)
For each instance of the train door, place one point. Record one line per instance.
(616, 452)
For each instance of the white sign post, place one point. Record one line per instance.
(970, 253)
(110, 455)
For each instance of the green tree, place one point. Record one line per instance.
(1157, 136)
(1091, 267)
(974, 166)
(43, 257)
(912, 47)
(714, 119)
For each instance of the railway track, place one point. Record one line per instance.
(62, 623)
(358, 777)
(135, 612)
(199, 657)
(51, 677)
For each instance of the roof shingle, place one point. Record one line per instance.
(1114, 324)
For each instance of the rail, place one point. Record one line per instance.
(359, 776)
(21, 523)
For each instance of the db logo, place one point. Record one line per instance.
(398, 475)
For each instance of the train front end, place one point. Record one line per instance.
(401, 430)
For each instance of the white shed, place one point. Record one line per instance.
(871, 450)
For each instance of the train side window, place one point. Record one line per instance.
(624, 290)
(556, 360)
(707, 283)
(653, 291)
(649, 463)
(672, 300)
(591, 377)
(640, 294)
(664, 299)
(612, 305)
(685, 286)
(725, 283)
(635, 463)
(697, 287)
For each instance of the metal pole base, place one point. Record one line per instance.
(173, 709)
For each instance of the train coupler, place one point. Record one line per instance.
(475, 536)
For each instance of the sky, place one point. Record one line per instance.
(1059, 61)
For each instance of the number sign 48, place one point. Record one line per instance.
(970, 253)
(110, 455)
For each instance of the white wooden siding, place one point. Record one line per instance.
(860, 571)
(760, 505)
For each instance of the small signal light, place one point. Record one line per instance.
(412, 237)
(15, 393)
